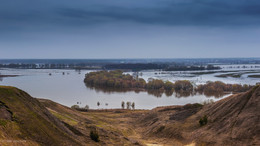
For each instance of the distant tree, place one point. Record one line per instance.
(168, 85)
(155, 84)
(86, 107)
(133, 105)
(140, 83)
(183, 85)
(128, 105)
(123, 105)
(209, 101)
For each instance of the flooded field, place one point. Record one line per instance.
(67, 86)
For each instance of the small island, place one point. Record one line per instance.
(116, 80)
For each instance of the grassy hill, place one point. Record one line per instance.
(26, 122)
(29, 121)
(230, 121)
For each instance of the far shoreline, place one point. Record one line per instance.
(4, 76)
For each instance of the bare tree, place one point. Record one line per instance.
(128, 105)
(123, 105)
(133, 105)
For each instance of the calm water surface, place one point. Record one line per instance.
(69, 89)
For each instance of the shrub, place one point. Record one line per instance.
(203, 121)
(94, 135)
(75, 107)
(160, 129)
(86, 107)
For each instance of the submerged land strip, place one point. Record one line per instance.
(254, 76)
(2, 76)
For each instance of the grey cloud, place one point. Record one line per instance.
(165, 12)
(189, 12)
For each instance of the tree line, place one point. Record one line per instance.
(119, 81)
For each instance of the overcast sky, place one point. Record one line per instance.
(129, 28)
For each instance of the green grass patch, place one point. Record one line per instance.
(64, 118)
(3, 122)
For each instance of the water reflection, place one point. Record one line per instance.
(184, 94)
(110, 90)
(158, 93)
(169, 93)
(215, 94)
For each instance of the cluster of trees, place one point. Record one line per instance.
(77, 107)
(119, 81)
(188, 68)
(211, 88)
(162, 66)
(113, 79)
(128, 105)
(49, 66)
(135, 66)
(116, 79)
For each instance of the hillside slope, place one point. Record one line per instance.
(234, 120)
(28, 121)
(231, 121)
(24, 121)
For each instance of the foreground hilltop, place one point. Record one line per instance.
(25, 121)
(29, 121)
(231, 121)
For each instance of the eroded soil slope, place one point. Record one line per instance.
(231, 121)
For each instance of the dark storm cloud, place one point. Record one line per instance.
(162, 12)
(185, 12)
